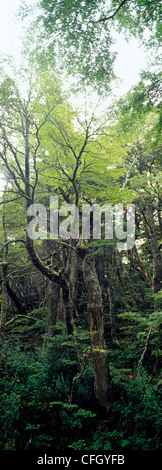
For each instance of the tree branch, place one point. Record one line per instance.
(113, 14)
(12, 241)
(10, 200)
(4, 158)
(20, 316)
(129, 172)
(145, 350)
(143, 269)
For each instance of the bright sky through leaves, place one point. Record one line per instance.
(130, 61)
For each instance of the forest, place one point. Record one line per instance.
(80, 317)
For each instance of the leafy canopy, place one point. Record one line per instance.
(79, 35)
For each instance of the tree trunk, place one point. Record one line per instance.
(52, 303)
(4, 297)
(157, 263)
(57, 277)
(4, 283)
(75, 259)
(61, 308)
(52, 296)
(102, 382)
(69, 310)
(159, 215)
(27, 162)
(112, 311)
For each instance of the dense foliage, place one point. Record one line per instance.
(41, 402)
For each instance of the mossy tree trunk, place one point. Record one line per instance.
(74, 270)
(157, 262)
(102, 380)
(4, 297)
(4, 283)
(52, 305)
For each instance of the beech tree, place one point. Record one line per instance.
(16, 157)
(20, 160)
(144, 160)
(107, 301)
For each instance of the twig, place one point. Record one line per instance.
(12, 241)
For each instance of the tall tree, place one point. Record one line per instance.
(68, 163)
(140, 118)
(20, 161)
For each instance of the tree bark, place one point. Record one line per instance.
(27, 163)
(52, 296)
(74, 269)
(112, 310)
(61, 308)
(159, 216)
(4, 283)
(157, 262)
(4, 297)
(52, 303)
(69, 310)
(102, 381)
